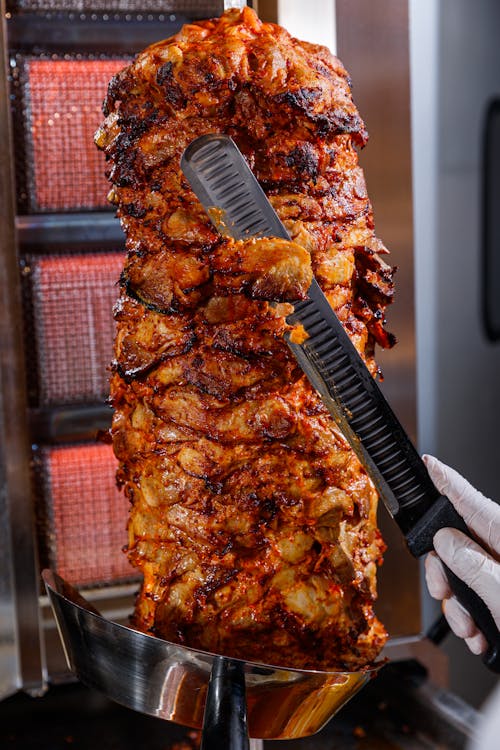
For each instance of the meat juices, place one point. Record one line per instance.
(251, 519)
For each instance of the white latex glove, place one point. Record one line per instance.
(477, 565)
(488, 729)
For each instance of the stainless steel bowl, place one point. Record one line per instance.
(163, 679)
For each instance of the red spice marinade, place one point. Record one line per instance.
(252, 521)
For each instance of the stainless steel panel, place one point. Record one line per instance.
(455, 74)
(20, 653)
(373, 44)
(9, 663)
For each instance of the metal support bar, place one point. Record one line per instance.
(69, 423)
(110, 34)
(235, 4)
(46, 230)
(18, 575)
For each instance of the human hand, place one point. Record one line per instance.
(477, 564)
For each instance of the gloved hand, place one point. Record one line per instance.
(476, 564)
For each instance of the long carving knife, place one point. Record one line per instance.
(226, 187)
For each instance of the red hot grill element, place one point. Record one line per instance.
(85, 515)
(63, 107)
(73, 299)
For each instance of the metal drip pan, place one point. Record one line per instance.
(169, 681)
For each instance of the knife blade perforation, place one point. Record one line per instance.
(223, 181)
(366, 421)
(384, 450)
(364, 417)
(203, 154)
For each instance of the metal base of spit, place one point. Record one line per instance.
(399, 710)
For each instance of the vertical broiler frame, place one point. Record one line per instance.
(21, 654)
(30, 652)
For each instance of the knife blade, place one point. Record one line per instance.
(238, 207)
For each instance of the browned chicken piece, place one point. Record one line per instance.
(252, 521)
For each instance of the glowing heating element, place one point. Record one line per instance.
(85, 515)
(73, 298)
(63, 103)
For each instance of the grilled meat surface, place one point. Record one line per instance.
(252, 521)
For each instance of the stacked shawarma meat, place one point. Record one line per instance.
(251, 519)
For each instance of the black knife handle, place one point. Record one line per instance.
(420, 541)
(440, 515)
(481, 615)
(225, 718)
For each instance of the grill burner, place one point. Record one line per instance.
(62, 102)
(72, 299)
(85, 516)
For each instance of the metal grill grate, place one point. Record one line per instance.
(83, 523)
(190, 8)
(72, 302)
(59, 112)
